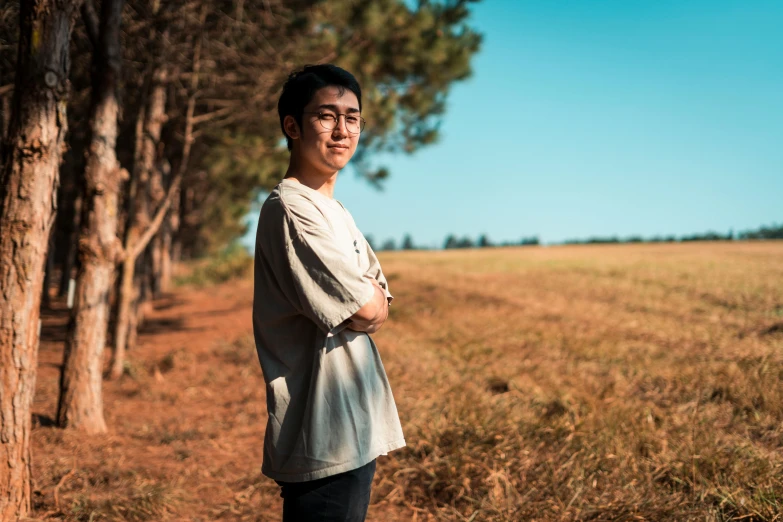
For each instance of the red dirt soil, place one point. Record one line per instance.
(186, 422)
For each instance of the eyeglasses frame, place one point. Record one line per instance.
(362, 123)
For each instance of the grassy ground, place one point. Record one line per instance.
(628, 382)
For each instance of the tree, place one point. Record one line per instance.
(80, 404)
(28, 184)
(247, 54)
(454, 242)
(9, 36)
(222, 138)
(406, 57)
(766, 232)
(465, 242)
(146, 188)
(407, 243)
(139, 220)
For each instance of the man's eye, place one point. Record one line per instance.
(328, 117)
(352, 119)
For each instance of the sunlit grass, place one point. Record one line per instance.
(619, 382)
(588, 383)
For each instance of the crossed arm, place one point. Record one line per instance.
(370, 317)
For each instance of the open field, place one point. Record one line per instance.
(626, 382)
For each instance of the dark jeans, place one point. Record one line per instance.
(340, 498)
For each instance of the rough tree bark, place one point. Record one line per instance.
(28, 184)
(80, 404)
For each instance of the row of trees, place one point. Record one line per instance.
(136, 133)
(483, 241)
(764, 232)
(770, 232)
(453, 241)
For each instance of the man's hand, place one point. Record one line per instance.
(371, 316)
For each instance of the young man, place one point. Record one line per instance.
(319, 293)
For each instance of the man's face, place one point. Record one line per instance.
(325, 150)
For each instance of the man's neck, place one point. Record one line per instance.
(321, 182)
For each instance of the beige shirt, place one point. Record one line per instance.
(330, 405)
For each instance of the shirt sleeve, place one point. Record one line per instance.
(376, 272)
(330, 287)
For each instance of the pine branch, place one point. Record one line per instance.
(154, 225)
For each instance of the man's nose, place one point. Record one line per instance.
(341, 128)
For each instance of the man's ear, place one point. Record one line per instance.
(291, 127)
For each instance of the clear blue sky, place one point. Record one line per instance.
(600, 117)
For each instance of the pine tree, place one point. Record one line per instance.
(28, 184)
(80, 405)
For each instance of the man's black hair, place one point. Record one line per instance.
(302, 85)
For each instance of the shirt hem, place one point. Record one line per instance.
(337, 468)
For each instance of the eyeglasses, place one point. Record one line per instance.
(353, 124)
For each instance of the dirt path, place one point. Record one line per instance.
(186, 422)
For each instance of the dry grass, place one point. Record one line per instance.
(143, 502)
(632, 382)
(588, 383)
(232, 263)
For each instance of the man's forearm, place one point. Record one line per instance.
(371, 317)
(372, 325)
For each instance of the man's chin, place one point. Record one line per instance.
(336, 165)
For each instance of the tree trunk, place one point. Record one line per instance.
(140, 287)
(155, 268)
(69, 255)
(46, 301)
(139, 218)
(160, 175)
(143, 303)
(69, 210)
(125, 283)
(172, 246)
(136, 241)
(28, 184)
(126, 288)
(81, 399)
(167, 250)
(6, 119)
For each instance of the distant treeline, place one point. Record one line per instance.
(771, 232)
(483, 241)
(452, 241)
